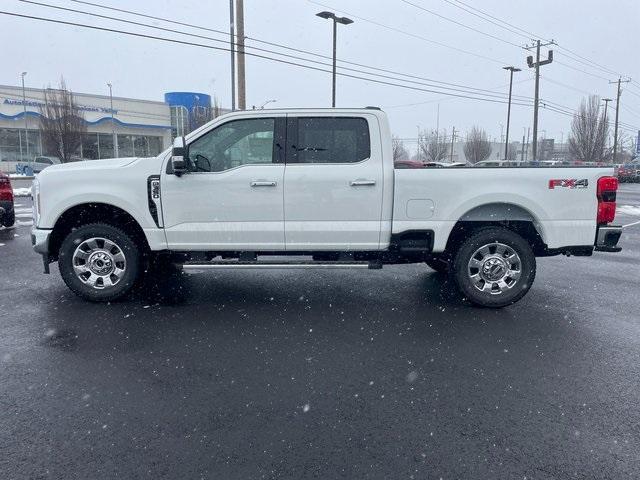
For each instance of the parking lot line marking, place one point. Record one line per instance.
(631, 224)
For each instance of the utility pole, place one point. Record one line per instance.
(24, 111)
(232, 45)
(453, 136)
(606, 120)
(242, 99)
(526, 152)
(511, 70)
(336, 21)
(537, 64)
(114, 137)
(522, 152)
(615, 129)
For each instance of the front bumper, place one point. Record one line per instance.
(607, 238)
(40, 240)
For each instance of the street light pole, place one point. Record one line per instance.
(506, 141)
(336, 20)
(24, 111)
(113, 125)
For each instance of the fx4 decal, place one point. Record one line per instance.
(568, 183)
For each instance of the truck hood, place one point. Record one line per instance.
(107, 163)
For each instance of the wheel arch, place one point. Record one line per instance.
(499, 214)
(93, 212)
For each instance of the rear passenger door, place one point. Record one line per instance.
(333, 183)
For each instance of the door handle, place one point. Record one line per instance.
(263, 183)
(362, 183)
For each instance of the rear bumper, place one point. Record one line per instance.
(607, 238)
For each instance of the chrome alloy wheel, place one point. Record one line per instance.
(99, 263)
(494, 268)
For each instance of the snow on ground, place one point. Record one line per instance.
(22, 192)
(633, 210)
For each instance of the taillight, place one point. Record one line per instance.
(6, 192)
(607, 187)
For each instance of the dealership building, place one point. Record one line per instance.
(132, 127)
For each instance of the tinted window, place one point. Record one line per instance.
(240, 142)
(332, 140)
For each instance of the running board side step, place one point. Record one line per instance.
(229, 264)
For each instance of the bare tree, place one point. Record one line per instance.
(512, 152)
(62, 124)
(217, 109)
(589, 132)
(477, 146)
(399, 152)
(432, 146)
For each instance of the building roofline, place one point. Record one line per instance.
(83, 94)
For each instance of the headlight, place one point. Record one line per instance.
(35, 197)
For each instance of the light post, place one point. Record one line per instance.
(336, 20)
(113, 125)
(24, 110)
(506, 141)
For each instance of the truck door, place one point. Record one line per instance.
(333, 183)
(232, 199)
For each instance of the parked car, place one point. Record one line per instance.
(330, 194)
(42, 162)
(408, 164)
(497, 163)
(629, 172)
(7, 211)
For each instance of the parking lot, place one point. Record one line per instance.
(323, 374)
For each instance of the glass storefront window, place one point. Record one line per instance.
(125, 146)
(140, 148)
(155, 145)
(90, 149)
(13, 144)
(105, 145)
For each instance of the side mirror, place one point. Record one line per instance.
(179, 157)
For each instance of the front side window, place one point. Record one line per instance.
(235, 143)
(332, 140)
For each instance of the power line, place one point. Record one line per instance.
(460, 23)
(525, 32)
(515, 29)
(443, 98)
(496, 23)
(463, 88)
(409, 34)
(183, 42)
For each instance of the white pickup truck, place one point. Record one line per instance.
(313, 188)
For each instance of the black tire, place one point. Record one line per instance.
(9, 219)
(438, 264)
(123, 242)
(501, 292)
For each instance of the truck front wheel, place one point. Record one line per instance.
(99, 262)
(495, 267)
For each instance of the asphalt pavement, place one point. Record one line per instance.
(322, 374)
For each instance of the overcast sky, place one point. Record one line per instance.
(603, 32)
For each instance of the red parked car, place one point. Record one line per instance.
(7, 213)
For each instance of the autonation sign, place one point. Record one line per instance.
(35, 103)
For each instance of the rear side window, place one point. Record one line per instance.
(332, 140)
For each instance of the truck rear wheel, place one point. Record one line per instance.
(495, 267)
(99, 262)
(9, 219)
